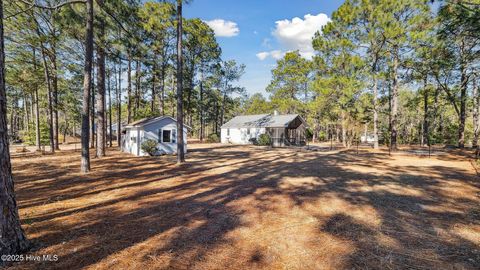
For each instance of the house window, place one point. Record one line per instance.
(174, 135)
(248, 131)
(133, 139)
(228, 132)
(166, 135)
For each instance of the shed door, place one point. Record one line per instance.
(133, 141)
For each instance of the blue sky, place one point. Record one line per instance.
(247, 31)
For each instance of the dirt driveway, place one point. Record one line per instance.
(245, 207)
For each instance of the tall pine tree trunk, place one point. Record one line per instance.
(110, 108)
(87, 81)
(162, 97)
(463, 103)
(180, 146)
(119, 104)
(154, 92)
(92, 108)
(12, 237)
(224, 102)
(101, 90)
(201, 108)
(35, 101)
(26, 119)
(217, 115)
(375, 112)
(50, 107)
(394, 110)
(189, 95)
(65, 130)
(425, 114)
(137, 88)
(129, 90)
(344, 130)
(55, 98)
(476, 111)
(37, 121)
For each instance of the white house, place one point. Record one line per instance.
(162, 129)
(367, 138)
(287, 129)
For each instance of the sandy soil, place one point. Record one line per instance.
(246, 207)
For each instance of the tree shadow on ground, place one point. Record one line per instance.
(135, 211)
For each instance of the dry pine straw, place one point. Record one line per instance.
(245, 208)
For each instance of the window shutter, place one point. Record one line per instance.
(174, 136)
(159, 136)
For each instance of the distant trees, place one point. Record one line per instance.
(395, 67)
(290, 82)
(228, 73)
(87, 85)
(257, 103)
(12, 237)
(134, 55)
(458, 43)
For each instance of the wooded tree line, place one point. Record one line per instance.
(134, 70)
(404, 70)
(137, 59)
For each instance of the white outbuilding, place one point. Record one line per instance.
(161, 129)
(284, 130)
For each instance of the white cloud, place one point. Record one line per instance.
(266, 43)
(297, 34)
(275, 54)
(223, 28)
(262, 55)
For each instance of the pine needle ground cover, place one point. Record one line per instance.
(246, 207)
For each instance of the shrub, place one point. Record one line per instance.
(213, 138)
(308, 134)
(264, 139)
(30, 137)
(322, 136)
(150, 147)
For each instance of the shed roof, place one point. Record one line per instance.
(149, 120)
(261, 120)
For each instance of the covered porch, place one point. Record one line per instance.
(291, 135)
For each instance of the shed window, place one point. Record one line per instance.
(248, 131)
(228, 132)
(174, 135)
(166, 134)
(159, 136)
(133, 139)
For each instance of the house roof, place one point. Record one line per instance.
(261, 120)
(245, 121)
(149, 120)
(122, 124)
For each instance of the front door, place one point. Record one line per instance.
(133, 142)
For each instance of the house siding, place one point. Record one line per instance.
(240, 135)
(150, 131)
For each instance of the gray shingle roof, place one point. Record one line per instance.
(260, 120)
(146, 121)
(281, 120)
(245, 121)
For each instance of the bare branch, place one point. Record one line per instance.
(57, 6)
(449, 94)
(116, 20)
(19, 12)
